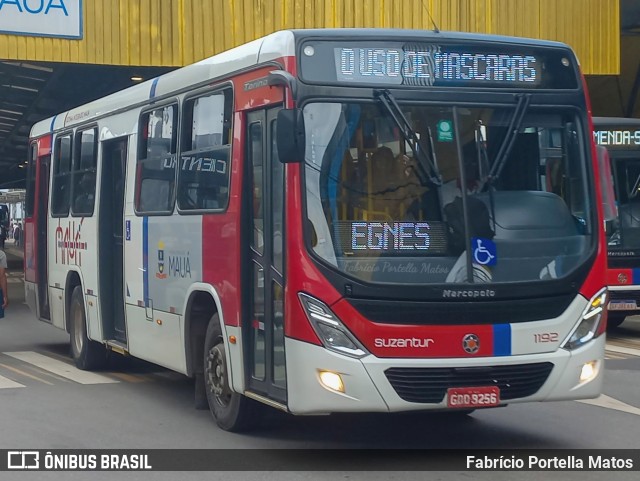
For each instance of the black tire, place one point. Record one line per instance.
(614, 321)
(232, 411)
(88, 355)
(200, 398)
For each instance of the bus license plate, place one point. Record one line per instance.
(622, 305)
(473, 397)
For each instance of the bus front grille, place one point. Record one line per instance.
(625, 295)
(429, 385)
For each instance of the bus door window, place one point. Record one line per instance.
(84, 173)
(277, 231)
(203, 176)
(255, 149)
(157, 158)
(255, 146)
(61, 191)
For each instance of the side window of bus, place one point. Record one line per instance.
(203, 177)
(83, 174)
(155, 176)
(561, 170)
(61, 189)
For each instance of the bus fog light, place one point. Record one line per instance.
(589, 371)
(331, 380)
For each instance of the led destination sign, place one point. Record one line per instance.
(396, 66)
(618, 138)
(399, 238)
(447, 63)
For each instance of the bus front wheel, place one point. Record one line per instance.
(87, 354)
(231, 410)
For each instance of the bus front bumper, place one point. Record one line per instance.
(367, 385)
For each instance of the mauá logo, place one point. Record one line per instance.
(34, 6)
(161, 274)
(180, 266)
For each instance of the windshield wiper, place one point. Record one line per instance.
(634, 191)
(509, 139)
(483, 165)
(428, 167)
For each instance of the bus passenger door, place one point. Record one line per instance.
(263, 277)
(110, 239)
(42, 214)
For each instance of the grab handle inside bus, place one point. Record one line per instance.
(290, 136)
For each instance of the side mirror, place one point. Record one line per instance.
(290, 136)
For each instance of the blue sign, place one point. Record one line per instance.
(484, 251)
(128, 230)
(42, 18)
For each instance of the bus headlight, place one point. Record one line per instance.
(591, 324)
(333, 334)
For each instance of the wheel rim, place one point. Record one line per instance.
(216, 375)
(78, 326)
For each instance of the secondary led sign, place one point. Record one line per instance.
(621, 138)
(391, 238)
(395, 236)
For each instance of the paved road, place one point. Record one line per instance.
(46, 403)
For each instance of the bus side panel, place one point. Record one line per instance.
(156, 340)
(56, 299)
(58, 259)
(30, 261)
(69, 240)
(171, 262)
(162, 259)
(83, 258)
(222, 248)
(221, 237)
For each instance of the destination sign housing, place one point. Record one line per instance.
(437, 64)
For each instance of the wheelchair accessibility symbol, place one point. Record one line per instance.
(484, 251)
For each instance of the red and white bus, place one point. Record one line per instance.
(618, 142)
(333, 221)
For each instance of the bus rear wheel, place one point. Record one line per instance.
(231, 410)
(87, 354)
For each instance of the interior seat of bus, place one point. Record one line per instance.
(531, 228)
(629, 215)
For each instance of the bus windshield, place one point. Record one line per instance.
(626, 233)
(477, 205)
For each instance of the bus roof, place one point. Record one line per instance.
(615, 122)
(422, 35)
(271, 47)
